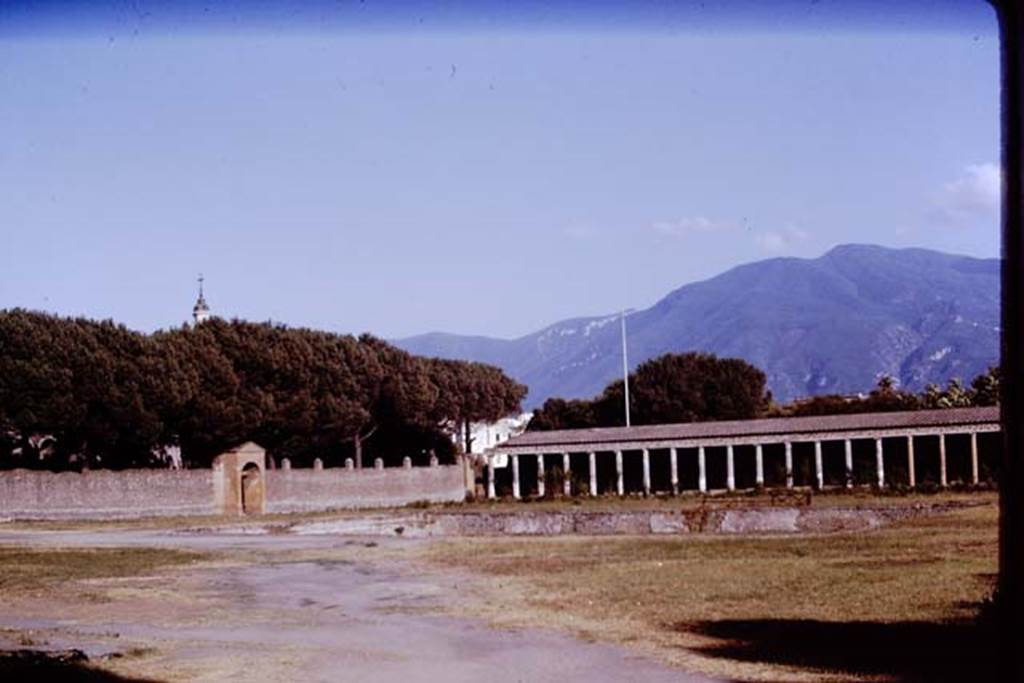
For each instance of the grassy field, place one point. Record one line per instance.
(25, 569)
(897, 603)
(27, 572)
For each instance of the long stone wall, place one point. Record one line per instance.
(339, 488)
(105, 494)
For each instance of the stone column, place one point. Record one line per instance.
(702, 472)
(566, 476)
(515, 476)
(468, 473)
(490, 479)
(730, 469)
(673, 457)
(974, 458)
(848, 447)
(620, 484)
(819, 466)
(789, 465)
(880, 463)
(540, 475)
(911, 465)
(759, 464)
(647, 472)
(593, 473)
(942, 460)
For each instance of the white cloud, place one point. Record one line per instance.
(690, 225)
(778, 241)
(971, 199)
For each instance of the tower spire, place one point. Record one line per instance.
(200, 312)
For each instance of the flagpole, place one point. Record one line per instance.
(625, 367)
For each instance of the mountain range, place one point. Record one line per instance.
(832, 324)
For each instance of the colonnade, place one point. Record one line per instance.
(730, 464)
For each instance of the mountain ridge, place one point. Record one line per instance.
(830, 324)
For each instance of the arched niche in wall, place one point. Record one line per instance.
(239, 480)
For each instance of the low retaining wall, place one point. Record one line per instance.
(105, 494)
(340, 488)
(767, 520)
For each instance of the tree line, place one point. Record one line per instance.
(693, 387)
(79, 392)
(983, 390)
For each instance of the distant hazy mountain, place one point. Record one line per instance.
(826, 325)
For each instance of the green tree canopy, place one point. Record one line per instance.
(85, 383)
(886, 396)
(684, 387)
(558, 413)
(985, 388)
(110, 396)
(470, 392)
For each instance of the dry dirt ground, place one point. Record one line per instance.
(279, 608)
(161, 602)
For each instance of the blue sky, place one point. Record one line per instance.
(412, 167)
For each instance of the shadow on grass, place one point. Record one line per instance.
(69, 666)
(907, 650)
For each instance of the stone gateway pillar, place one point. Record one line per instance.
(239, 481)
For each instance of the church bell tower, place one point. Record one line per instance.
(200, 312)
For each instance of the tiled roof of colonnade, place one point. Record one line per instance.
(771, 430)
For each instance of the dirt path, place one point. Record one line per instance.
(318, 608)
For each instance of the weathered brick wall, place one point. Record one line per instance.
(338, 488)
(103, 494)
